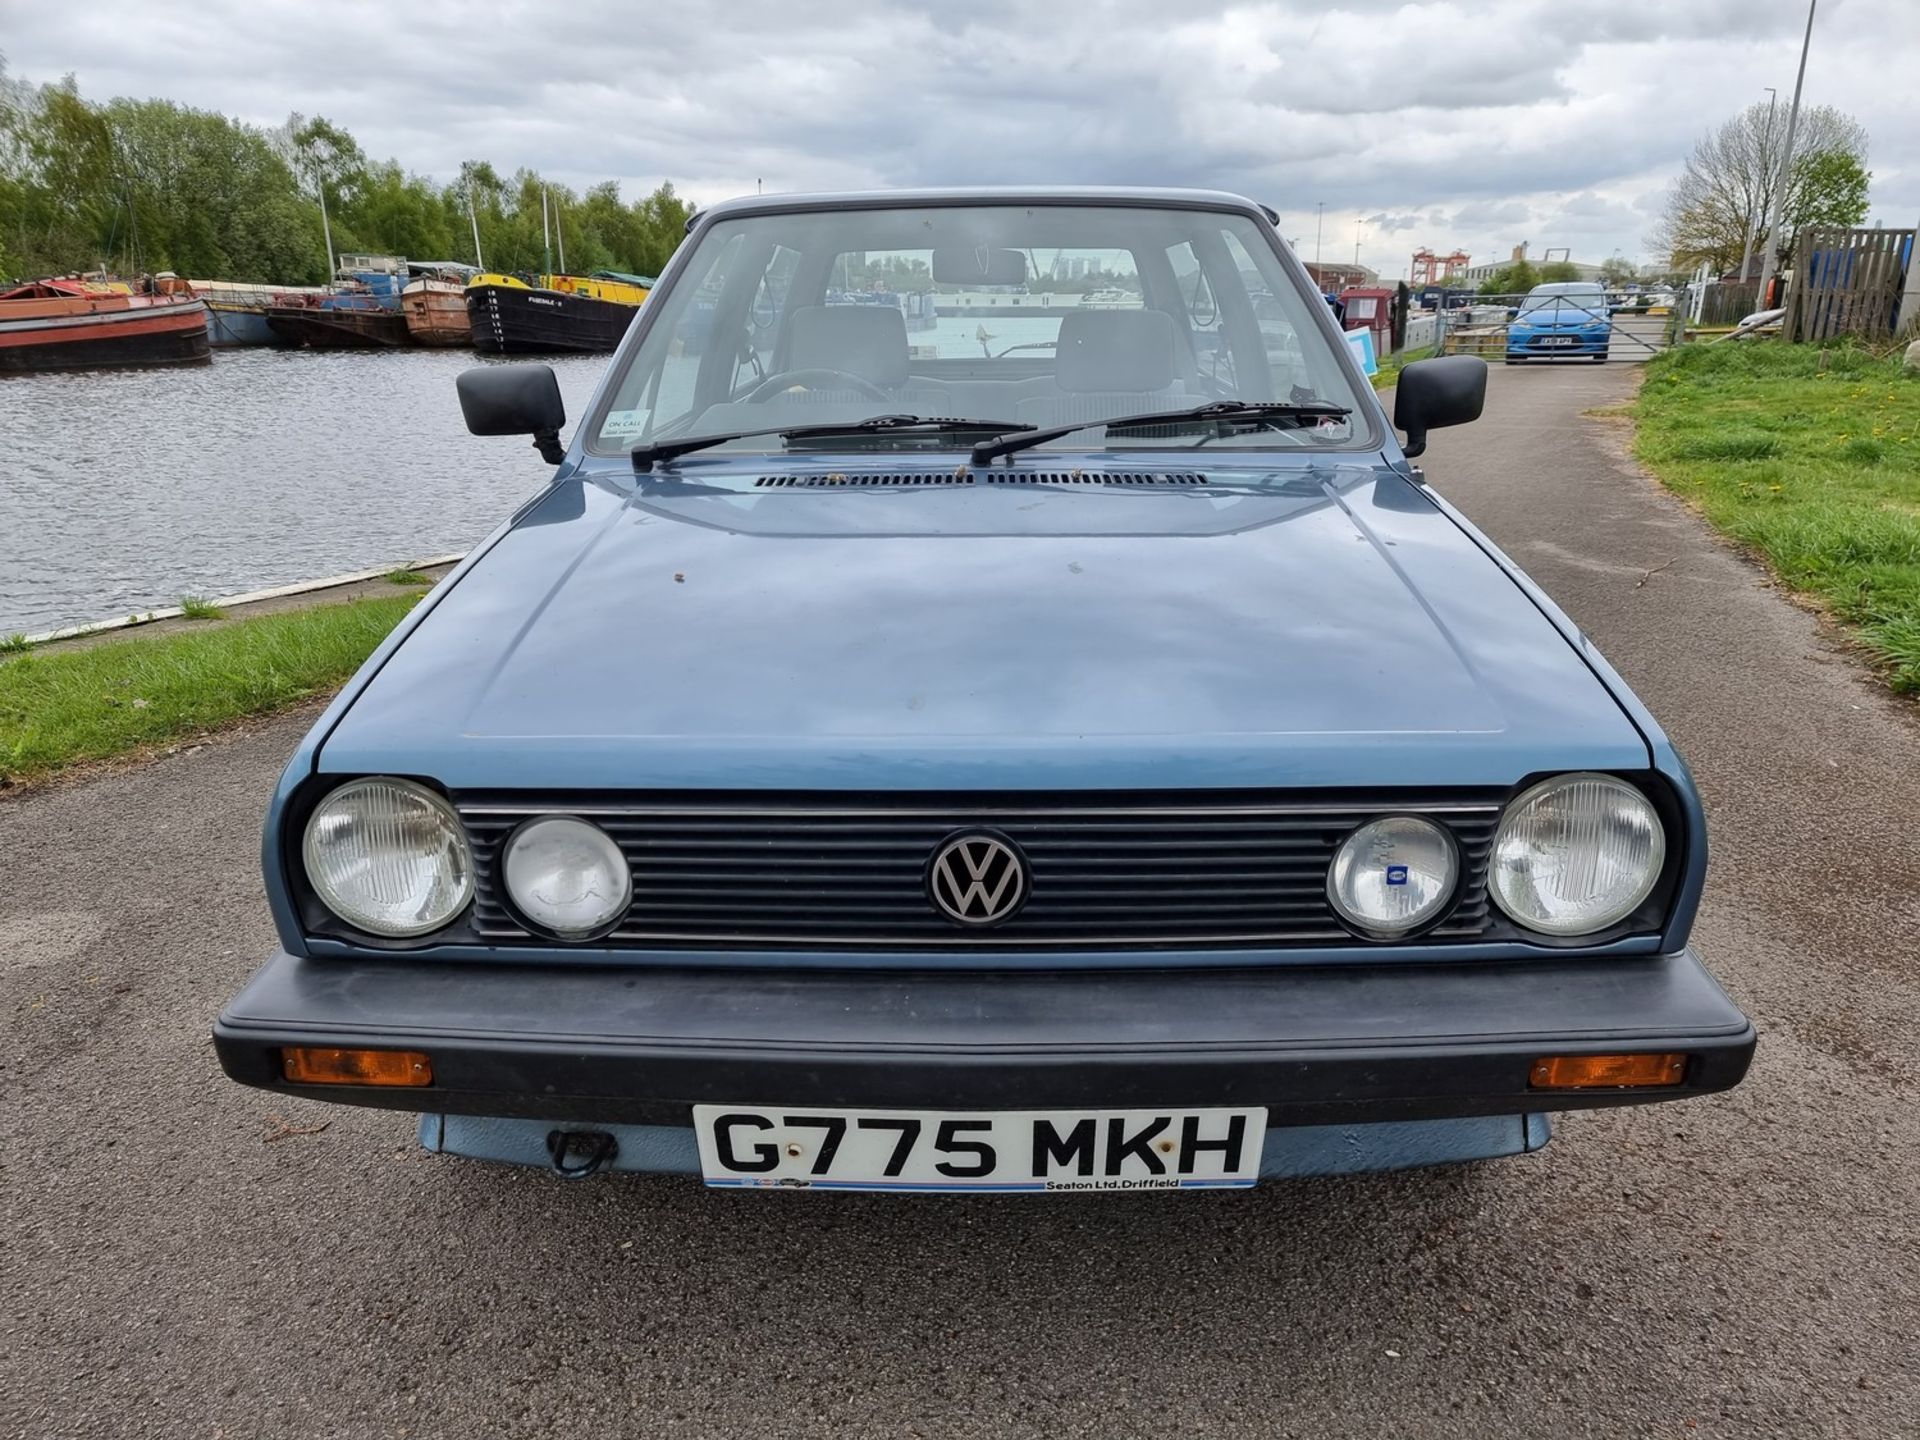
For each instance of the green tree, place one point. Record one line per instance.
(13, 96)
(402, 214)
(65, 209)
(321, 151)
(479, 186)
(1558, 272)
(1615, 272)
(148, 184)
(663, 225)
(1832, 190)
(1514, 279)
(1726, 191)
(604, 233)
(209, 197)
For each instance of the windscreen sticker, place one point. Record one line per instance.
(625, 422)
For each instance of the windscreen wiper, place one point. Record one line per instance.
(645, 456)
(1261, 411)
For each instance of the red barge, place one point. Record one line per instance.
(72, 324)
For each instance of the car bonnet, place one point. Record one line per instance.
(1326, 625)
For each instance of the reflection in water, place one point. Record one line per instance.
(123, 490)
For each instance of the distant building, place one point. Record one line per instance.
(1336, 276)
(1476, 274)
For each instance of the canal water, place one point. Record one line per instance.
(124, 490)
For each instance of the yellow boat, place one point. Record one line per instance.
(517, 315)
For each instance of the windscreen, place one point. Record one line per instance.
(1593, 301)
(1005, 315)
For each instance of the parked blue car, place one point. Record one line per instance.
(1561, 322)
(1090, 760)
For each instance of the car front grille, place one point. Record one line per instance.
(841, 873)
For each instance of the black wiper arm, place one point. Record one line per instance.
(989, 450)
(645, 456)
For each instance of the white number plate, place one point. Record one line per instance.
(1061, 1151)
(1557, 340)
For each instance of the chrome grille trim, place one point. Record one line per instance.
(783, 813)
(807, 873)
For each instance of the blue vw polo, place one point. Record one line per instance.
(985, 703)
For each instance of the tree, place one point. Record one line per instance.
(64, 209)
(209, 197)
(404, 215)
(14, 97)
(663, 224)
(1514, 279)
(1558, 272)
(1727, 187)
(1616, 272)
(151, 185)
(321, 152)
(1833, 190)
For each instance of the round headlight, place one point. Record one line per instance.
(1576, 854)
(1392, 876)
(567, 877)
(389, 857)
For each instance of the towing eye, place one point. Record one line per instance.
(576, 1154)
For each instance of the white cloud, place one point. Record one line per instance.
(1436, 122)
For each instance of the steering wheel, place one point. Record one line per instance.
(813, 377)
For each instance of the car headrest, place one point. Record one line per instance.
(1130, 350)
(865, 340)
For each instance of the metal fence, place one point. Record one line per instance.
(1561, 328)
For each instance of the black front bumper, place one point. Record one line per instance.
(1350, 1044)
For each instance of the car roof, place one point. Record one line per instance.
(1130, 195)
(1566, 287)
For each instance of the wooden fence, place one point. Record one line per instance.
(1847, 282)
(1729, 302)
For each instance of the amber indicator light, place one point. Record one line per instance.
(1607, 1072)
(321, 1065)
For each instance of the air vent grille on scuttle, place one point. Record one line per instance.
(887, 480)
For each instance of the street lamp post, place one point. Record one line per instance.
(1319, 223)
(1779, 205)
(1753, 226)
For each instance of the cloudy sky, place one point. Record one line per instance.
(1473, 125)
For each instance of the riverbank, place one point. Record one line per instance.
(1811, 459)
(112, 693)
(193, 612)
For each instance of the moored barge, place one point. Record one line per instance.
(239, 322)
(338, 323)
(517, 315)
(362, 312)
(435, 303)
(73, 325)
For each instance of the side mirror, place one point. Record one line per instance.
(1430, 394)
(515, 400)
(1513, 312)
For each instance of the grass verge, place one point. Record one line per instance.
(63, 707)
(1392, 365)
(1810, 457)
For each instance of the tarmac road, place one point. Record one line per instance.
(1737, 1266)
